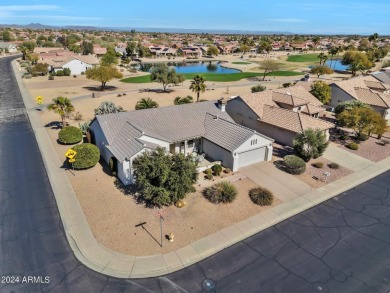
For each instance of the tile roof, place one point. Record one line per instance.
(288, 99)
(301, 92)
(372, 98)
(171, 124)
(382, 76)
(374, 85)
(311, 109)
(292, 121)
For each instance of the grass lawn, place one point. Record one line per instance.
(216, 77)
(303, 58)
(241, 62)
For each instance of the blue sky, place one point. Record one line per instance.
(298, 16)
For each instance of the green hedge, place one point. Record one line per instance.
(70, 135)
(353, 146)
(294, 165)
(87, 156)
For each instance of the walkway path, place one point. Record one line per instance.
(100, 259)
(346, 159)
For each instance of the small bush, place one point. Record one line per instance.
(353, 146)
(294, 165)
(87, 156)
(66, 71)
(334, 166)
(180, 203)
(286, 84)
(258, 88)
(261, 196)
(70, 135)
(208, 171)
(343, 137)
(60, 73)
(318, 165)
(209, 176)
(51, 77)
(222, 192)
(78, 116)
(82, 73)
(362, 137)
(227, 170)
(217, 169)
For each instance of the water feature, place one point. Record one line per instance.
(192, 67)
(336, 65)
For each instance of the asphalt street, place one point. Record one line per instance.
(342, 245)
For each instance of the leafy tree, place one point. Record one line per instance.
(103, 74)
(107, 107)
(163, 74)
(323, 57)
(212, 51)
(184, 100)
(163, 179)
(63, 107)
(322, 91)
(269, 66)
(349, 105)
(147, 103)
(372, 38)
(198, 85)
(6, 36)
(109, 58)
(265, 46)
(312, 143)
(363, 121)
(244, 48)
(316, 41)
(86, 48)
(321, 70)
(131, 48)
(356, 61)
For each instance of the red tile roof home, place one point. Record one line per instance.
(98, 50)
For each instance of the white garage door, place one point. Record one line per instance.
(251, 157)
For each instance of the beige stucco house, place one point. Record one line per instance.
(280, 114)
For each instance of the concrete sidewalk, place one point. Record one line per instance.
(100, 259)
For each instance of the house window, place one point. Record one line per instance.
(190, 143)
(254, 141)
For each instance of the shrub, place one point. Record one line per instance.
(222, 192)
(60, 73)
(180, 203)
(258, 88)
(70, 135)
(286, 84)
(87, 156)
(209, 176)
(51, 77)
(294, 165)
(343, 137)
(66, 71)
(334, 166)
(84, 127)
(208, 171)
(261, 196)
(362, 137)
(78, 116)
(318, 165)
(227, 170)
(353, 146)
(217, 169)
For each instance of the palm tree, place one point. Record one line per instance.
(332, 52)
(198, 85)
(322, 58)
(147, 103)
(62, 106)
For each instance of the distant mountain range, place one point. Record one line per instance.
(140, 29)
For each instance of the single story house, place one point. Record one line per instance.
(190, 51)
(366, 89)
(77, 63)
(383, 75)
(121, 49)
(280, 114)
(7, 47)
(195, 129)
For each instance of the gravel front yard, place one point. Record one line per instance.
(369, 149)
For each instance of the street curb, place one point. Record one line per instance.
(100, 259)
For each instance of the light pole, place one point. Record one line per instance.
(160, 214)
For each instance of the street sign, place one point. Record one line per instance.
(72, 160)
(39, 99)
(70, 154)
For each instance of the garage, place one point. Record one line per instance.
(252, 157)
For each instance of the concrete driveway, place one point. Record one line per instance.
(283, 185)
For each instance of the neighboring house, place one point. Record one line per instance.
(98, 50)
(121, 48)
(366, 89)
(280, 114)
(162, 51)
(383, 75)
(77, 64)
(47, 50)
(201, 128)
(7, 47)
(190, 51)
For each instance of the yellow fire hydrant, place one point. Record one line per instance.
(171, 236)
